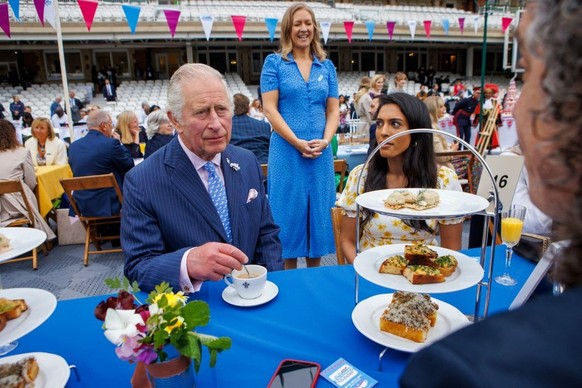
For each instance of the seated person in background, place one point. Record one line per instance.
(44, 146)
(159, 130)
(171, 229)
(60, 122)
(16, 163)
(537, 344)
(436, 110)
(95, 154)
(254, 135)
(128, 130)
(535, 220)
(256, 110)
(407, 161)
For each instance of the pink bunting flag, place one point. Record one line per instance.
(39, 5)
(505, 22)
(462, 24)
(349, 27)
(88, 9)
(4, 19)
(427, 24)
(390, 27)
(239, 25)
(172, 17)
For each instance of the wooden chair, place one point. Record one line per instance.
(336, 222)
(340, 166)
(469, 160)
(16, 187)
(90, 223)
(265, 168)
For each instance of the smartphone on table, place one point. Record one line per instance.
(295, 374)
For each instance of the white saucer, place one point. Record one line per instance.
(230, 296)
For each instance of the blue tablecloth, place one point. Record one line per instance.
(310, 319)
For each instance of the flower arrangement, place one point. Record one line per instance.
(141, 331)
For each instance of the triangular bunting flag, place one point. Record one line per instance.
(476, 23)
(15, 5)
(172, 17)
(39, 5)
(49, 13)
(390, 27)
(505, 22)
(349, 27)
(370, 25)
(131, 15)
(207, 22)
(88, 8)
(325, 27)
(271, 27)
(239, 25)
(462, 24)
(412, 27)
(446, 26)
(4, 19)
(427, 25)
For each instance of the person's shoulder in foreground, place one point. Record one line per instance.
(535, 346)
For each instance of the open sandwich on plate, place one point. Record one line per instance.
(424, 199)
(409, 315)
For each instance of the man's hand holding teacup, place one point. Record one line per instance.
(213, 260)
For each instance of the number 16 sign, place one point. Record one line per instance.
(506, 171)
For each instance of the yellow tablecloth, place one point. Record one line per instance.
(49, 185)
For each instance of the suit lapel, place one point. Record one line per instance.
(187, 181)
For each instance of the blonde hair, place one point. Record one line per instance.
(364, 88)
(122, 126)
(45, 121)
(399, 76)
(287, 26)
(376, 78)
(434, 104)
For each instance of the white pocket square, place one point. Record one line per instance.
(252, 195)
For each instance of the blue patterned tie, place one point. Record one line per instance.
(218, 196)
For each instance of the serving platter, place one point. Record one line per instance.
(53, 371)
(22, 240)
(41, 305)
(366, 318)
(452, 204)
(368, 262)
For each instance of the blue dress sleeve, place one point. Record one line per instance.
(333, 87)
(270, 73)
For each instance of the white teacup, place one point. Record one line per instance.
(248, 287)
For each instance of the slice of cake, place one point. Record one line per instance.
(423, 274)
(393, 265)
(19, 374)
(4, 243)
(409, 315)
(446, 264)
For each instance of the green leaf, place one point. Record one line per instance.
(114, 283)
(196, 313)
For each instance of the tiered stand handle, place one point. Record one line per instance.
(494, 197)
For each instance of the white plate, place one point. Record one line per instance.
(22, 240)
(41, 305)
(452, 204)
(53, 372)
(366, 317)
(231, 296)
(367, 264)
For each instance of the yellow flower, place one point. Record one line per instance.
(172, 298)
(177, 323)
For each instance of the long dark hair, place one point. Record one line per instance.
(8, 139)
(419, 165)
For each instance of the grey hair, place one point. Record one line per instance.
(96, 117)
(555, 38)
(192, 74)
(155, 119)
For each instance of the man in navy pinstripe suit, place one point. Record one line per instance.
(170, 229)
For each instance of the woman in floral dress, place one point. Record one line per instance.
(406, 162)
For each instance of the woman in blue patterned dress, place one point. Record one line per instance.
(300, 99)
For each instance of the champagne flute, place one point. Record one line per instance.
(511, 226)
(7, 348)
